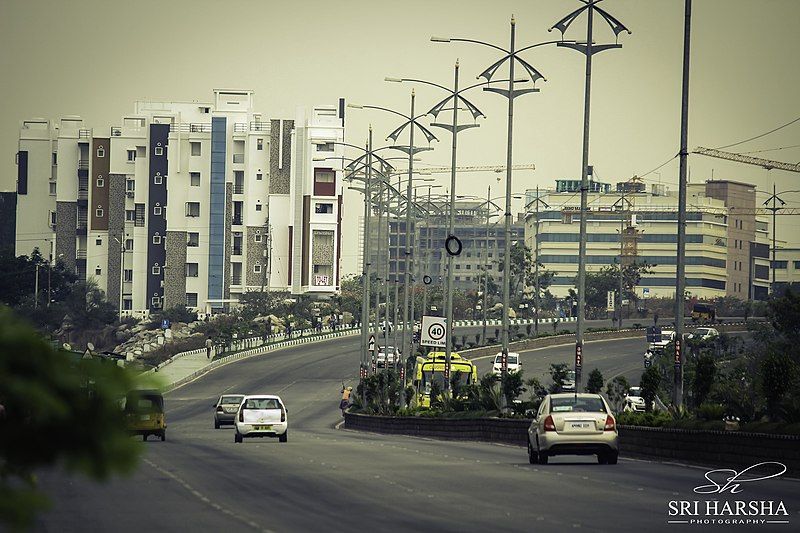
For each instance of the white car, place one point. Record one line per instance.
(514, 364)
(387, 356)
(568, 385)
(667, 336)
(704, 334)
(634, 400)
(261, 415)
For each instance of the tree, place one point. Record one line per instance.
(598, 284)
(595, 382)
(46, 393)
(558, 372)
(87, 306)
(512, 386)
(616, 390)
(651, 381)
(777, 373)
(704, 376)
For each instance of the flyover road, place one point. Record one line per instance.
(327, 479)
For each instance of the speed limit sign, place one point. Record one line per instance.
(434, 331)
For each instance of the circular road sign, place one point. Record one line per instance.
(427, 280)
(436, 332)
(453, 245)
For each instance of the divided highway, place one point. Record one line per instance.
(327, 479)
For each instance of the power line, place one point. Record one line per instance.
(759, 136)
(771, 149)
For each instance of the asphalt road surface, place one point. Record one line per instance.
(328, 479)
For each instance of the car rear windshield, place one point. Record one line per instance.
(702, 331)
(262, 403)
(232, 399)
(512, 359)
(572, 404)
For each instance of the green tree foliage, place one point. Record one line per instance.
(651, 381)
(58, 409)
(704, 376)
(18, 278)
(616, 390)
(607, 279)
(595, 382)
(777, 373)
(179, 313)
(512, 386)
(558, 373)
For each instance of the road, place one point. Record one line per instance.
(327, 479)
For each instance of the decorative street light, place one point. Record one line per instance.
(587, 48)
(512, 56)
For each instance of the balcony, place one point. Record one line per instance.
(237, 250)
(83, 194)
(193, 127)
(236, 280)
(237, 220)
(84, 135)
(238, 188)
(80, 254)
(83, 164)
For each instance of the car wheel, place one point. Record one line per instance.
(237, 437)
(602, 459)
(144, 437)
(612, 458)
(284, 437)
(216, 424)
(542, 457)
(163, 435)
(533, 457)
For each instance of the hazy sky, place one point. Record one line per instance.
(95, 58)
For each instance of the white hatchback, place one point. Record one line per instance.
(262, 416)
(513, 364)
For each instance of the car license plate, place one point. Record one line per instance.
(144, 417)
(579, 425)
(262, 428)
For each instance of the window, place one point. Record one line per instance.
(323, 208)
(101, 152)
(259, 176)
(193, 240)
(140, 213)
(52, 218)
(98, 242)
(159, 150)
(257, 237)
(194, 179)
(97, 270)
(157, 210)
(129, 244)
(155, 301)
(127, 275)
(258, 207)
(130, 185)
(156, 270)
(127, 304)
(98, 213)
(131, 156)
(158, 179)
(191, 299)
(257, 268)
(55, 158)
(780, 265)
(100, 181)
(260, 144)
(191, 270)
(156, 239)
(195, 148)
(324, 182)
(130, 215)
(797, 265)
(325, 147)
(52, 189)
(192, 209)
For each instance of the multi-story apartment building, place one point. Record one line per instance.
(483, 244)
(186, 203)
(787, 269)
(725, 241)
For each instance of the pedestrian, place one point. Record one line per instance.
(345, 403)
(209, 345)
(655, 318)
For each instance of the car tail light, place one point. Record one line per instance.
(548, 424)
(241, 415)
(283, 414)
(610, 425)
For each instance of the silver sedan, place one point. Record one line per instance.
(226, 408)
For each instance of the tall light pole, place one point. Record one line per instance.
(536, 303)
(588, 49)
(512, 56)
(624, 205)
(775, 208)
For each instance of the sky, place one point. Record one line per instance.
(95, 58)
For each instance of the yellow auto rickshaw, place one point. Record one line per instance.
(144, 413)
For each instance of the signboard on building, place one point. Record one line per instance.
(610, 301)
(322, 279)
(434, 331)
(646, 292)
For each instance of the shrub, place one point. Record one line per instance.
(710, 411)
(595, 382)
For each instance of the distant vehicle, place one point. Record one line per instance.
(573, 424)
(703, 312)
(513, 364)
(261, 416)
(144, 413)
(430, 369)
(387, 356)
(226, 408)
(569, 381)
(667, 336)
(704, 334)
(387, 326)
(634, 400)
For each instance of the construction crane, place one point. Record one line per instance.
(748, 160)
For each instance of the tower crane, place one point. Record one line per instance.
(768, 164)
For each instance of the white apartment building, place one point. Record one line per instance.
(722, 246)
(186, 203)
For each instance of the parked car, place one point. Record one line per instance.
(634, 400)
(262, 416)
(514, 364)
(704, 334)
(387, 356)
(573, 424)
(226, 408)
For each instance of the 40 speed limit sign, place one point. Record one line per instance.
(434, 331)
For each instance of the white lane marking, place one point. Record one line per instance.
(197, 494)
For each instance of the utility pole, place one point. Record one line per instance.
(623, 204)
(486, 264)
(366, 275)
(536, 299)
(680, 282)
(36, 289)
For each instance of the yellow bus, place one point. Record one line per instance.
(431, 368)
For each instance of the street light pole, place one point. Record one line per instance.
(588, 49)
(366, 264)
(775, 208)
(451, 222)
(486, 264)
